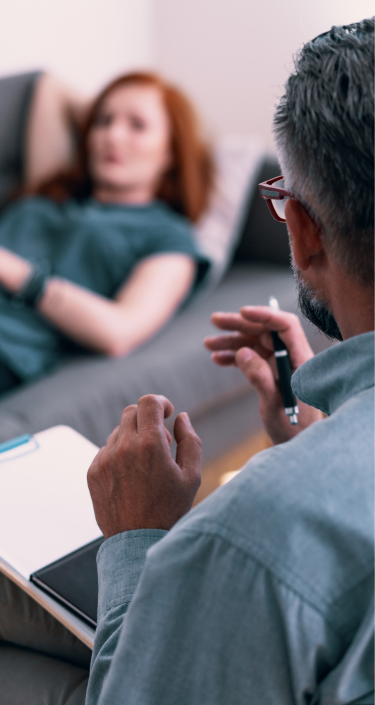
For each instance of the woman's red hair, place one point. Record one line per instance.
(185, 187)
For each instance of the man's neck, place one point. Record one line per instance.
(352, 306)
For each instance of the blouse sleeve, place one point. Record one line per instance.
(172, 233)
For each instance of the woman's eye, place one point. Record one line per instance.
(137, 124)
(103, 120)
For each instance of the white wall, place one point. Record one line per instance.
(233, 56)
(85, 42)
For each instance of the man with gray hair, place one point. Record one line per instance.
(263, 593)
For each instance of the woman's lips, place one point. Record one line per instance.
(112, 159)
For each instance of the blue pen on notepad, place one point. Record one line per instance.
(285, 372)
(15, 442)
(17, 447)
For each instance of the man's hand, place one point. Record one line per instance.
(133, 481)
(249, 346)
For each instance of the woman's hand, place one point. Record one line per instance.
(249, 346)
(14, 270)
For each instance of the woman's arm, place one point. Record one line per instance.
(55, 112)
(147, 300)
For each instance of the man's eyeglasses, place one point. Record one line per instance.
(275, 195)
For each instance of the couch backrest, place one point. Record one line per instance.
(263, 238)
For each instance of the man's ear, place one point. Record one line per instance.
(305, 237)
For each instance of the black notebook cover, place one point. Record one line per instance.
(73, 580)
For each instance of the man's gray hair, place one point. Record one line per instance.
(324, 128)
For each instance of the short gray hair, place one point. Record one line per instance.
(324, 129)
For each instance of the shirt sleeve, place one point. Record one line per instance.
(174, 234)
(120, 562)
(207, 624)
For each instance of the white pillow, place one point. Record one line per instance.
(238, 159)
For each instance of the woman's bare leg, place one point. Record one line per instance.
(54, 114)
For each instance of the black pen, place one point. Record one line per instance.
(285, 373)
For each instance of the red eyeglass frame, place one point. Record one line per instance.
(269, 191)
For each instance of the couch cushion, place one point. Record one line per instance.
(238, 161)
(89, 393)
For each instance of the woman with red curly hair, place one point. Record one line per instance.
(101, 254)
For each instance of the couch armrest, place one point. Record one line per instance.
(263, 238)
(15, 97)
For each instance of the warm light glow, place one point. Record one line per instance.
(227, 476)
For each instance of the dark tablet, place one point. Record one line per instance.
(73, 581)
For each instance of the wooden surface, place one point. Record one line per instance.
(216, 472)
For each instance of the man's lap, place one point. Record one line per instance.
(29, 677)
(40, 661)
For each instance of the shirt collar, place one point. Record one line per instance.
(332, 377)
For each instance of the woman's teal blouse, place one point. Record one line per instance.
(91, 244)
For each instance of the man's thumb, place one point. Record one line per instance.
(257, 371)
(189, 446)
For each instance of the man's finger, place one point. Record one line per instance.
(95, 463)
(168, 436)
(189, 446)
(224, 358)
(128, 423)
(235, 322)
(287, 325)
(233, 341)
(127, 428)
(279, 321)
(257, 372)
(262, 344)
(112, 438)
(151, 412)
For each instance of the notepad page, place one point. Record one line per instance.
(45, 505)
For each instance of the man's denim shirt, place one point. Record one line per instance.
(263, 593)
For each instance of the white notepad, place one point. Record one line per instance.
(45, 505)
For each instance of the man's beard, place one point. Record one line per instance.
(314, 310)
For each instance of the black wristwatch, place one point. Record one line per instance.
(32, 290)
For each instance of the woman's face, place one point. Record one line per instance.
(129, 144)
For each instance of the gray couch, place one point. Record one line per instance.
(88, 392)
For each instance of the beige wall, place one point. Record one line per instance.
(233, 56)
(85, 42)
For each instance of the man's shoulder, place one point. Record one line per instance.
(303, 509)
